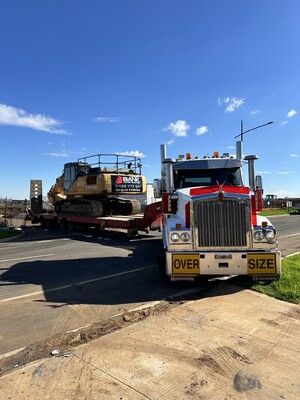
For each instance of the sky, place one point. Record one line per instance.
(78, 78)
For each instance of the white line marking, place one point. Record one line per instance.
(293, 234)
(75, 283)
(26, 258)
(38, 241)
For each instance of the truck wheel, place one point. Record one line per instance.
(161, 261)
(71, 226)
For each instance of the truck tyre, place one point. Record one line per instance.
(161, 261)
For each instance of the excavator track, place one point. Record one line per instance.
(84, 207)
(122, 206)
(98, 208)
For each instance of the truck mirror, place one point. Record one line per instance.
(258, 182)
(157, 188)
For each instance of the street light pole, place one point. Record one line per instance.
(252, 129)
(239, 149)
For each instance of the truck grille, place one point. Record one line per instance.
(223, 225)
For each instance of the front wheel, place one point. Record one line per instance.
(161, 260)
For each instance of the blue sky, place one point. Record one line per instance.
(84, 77)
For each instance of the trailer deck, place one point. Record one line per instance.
(151, 220)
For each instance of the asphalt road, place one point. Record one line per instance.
(288, 232)
(51, 284)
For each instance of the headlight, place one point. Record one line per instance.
(270, 236)
(175, 237)
(258, 235)
(185, 237)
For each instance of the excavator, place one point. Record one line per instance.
(99, 185)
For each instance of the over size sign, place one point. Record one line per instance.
(185, 264)
(261, 263)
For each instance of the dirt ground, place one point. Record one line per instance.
(228, 344)
(69, 340)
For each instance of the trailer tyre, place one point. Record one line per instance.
(71, 226)
(43, 223)
(63, 224)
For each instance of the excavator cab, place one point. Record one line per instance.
(71, 172)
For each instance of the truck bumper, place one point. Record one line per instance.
(258, 264)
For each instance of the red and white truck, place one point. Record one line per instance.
(211, 222)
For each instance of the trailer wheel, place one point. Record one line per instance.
(71, 226)
(63, 224)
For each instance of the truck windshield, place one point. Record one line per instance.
(207, 177)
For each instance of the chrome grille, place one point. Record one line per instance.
(223, 224)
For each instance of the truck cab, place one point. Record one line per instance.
(211, 224)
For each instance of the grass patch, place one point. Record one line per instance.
(5, 234)
(287, 288)
(268, 213)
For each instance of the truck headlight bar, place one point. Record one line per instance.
(175, 237)
(185, 236)
(180, 237)
(268, 234)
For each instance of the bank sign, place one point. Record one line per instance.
(126, 184)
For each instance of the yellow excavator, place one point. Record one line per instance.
(99, 185)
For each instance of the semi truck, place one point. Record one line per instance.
(210, 219)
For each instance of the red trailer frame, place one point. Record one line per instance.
(151, 220)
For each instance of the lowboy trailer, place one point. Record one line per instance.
(151, 220)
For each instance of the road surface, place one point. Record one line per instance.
(51, 284)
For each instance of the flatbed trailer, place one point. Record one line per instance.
(151, 220)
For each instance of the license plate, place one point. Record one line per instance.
(185, 263)
(261, 264)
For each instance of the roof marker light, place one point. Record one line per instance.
(188, 156)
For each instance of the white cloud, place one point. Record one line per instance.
(230, 147)
(284, 122)
(201, 130)
(62, 154)
(17, 117)
(294, 155)
(178, 128)
(282, 193)
(286, 172)
(232, 103)
(170, 142)
(291, 113)
(107, 119)
(253, 112)
(134, 153)
(263, 172)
